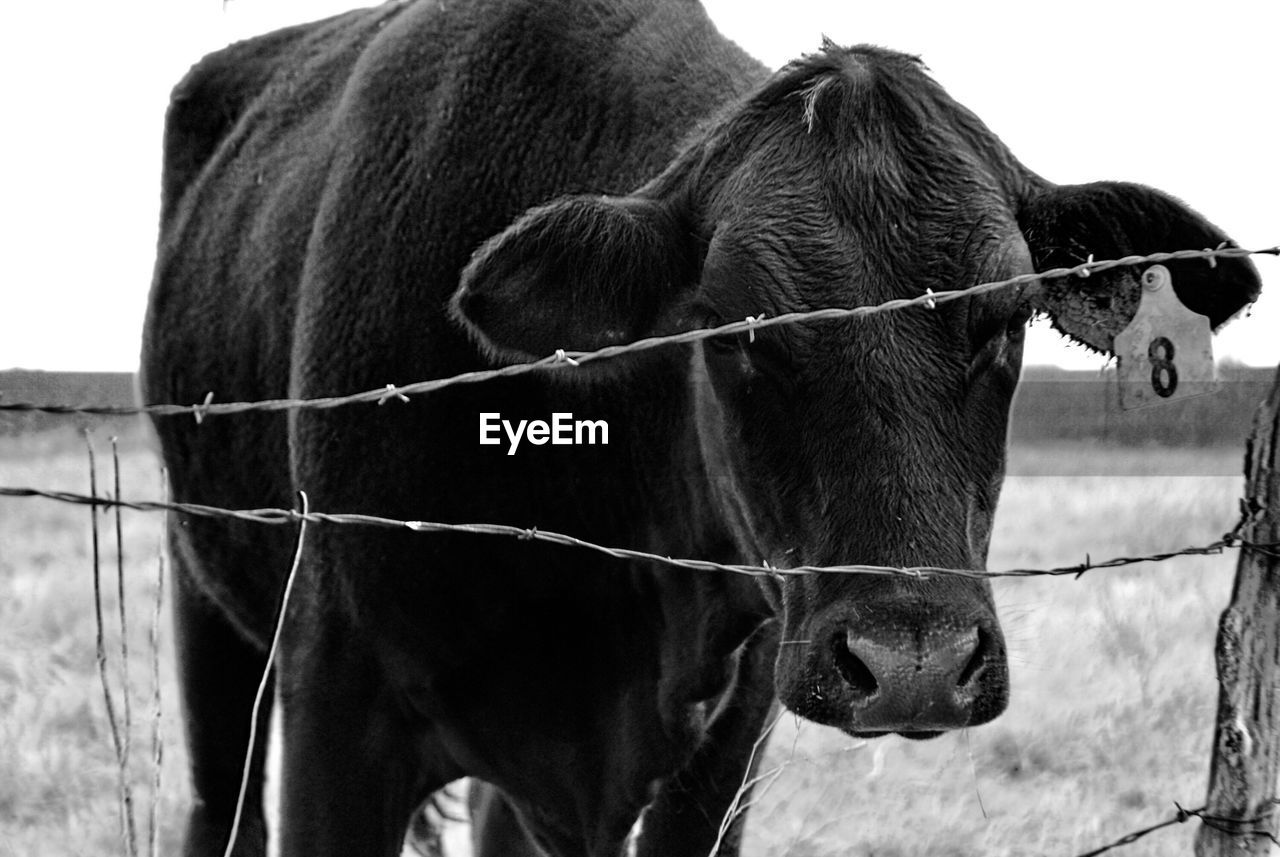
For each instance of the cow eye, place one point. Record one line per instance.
(991, 326)
(724, 343)
(1016, 324)
(727, 344)
(994, 340)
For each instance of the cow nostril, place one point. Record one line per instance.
(976, 662)
(853, 670)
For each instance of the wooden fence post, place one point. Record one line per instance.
(1246, 745)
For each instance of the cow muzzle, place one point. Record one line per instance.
(916, 678)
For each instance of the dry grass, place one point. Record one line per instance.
(59, 786)
(1109, 724)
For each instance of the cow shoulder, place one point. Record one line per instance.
(209, 101)
(283, 68)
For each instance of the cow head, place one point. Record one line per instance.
(850, 178)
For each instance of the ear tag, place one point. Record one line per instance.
(1166, 352)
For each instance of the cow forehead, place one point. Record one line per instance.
(862, 132)
(854, 169)
(791, 252)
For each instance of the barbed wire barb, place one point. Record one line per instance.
(1180, 817)
(1232, 826)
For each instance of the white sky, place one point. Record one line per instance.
(1181, 96)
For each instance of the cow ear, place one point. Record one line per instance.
(1065, 225)
(578, 274)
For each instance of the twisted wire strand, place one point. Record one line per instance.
(285, 516)
(571, 359)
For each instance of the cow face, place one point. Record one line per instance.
(850, 179)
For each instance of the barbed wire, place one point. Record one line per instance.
(562, 358)
(1241, 827)
(1230, 539)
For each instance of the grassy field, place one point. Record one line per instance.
(1109, 723)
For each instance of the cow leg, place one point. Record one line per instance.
(219, 675)
(685, 817)
(354, 768)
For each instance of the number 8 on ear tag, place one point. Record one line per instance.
(1166, 352)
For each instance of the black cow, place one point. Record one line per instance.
(422, 189)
